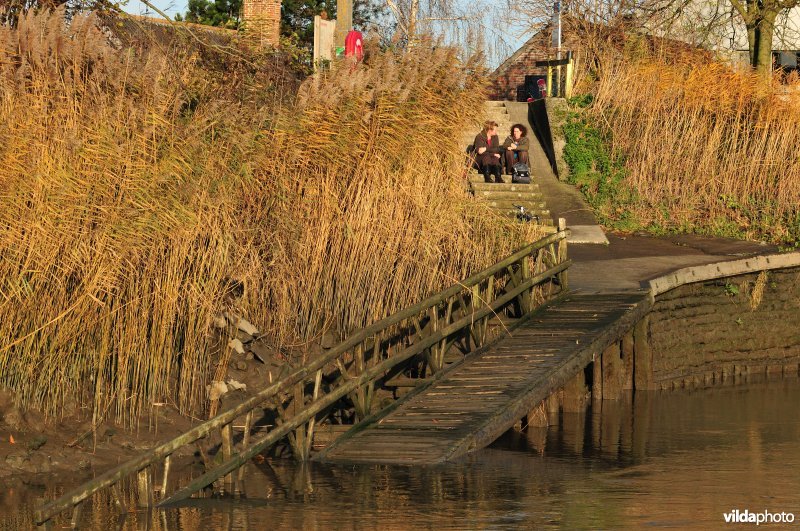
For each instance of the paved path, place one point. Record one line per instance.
(627, 261)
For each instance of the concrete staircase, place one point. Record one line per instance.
(504, 197)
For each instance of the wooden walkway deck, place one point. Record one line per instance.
(471, 403)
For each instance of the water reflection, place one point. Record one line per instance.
(678, 459)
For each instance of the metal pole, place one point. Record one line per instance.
(557, 89)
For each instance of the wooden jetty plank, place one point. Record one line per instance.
(481, 396)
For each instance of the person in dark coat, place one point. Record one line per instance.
(487, 152)
(515, 147)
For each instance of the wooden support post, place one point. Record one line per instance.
(165, 481)
(568, 81)
(478, 327)
(627, 360)
(117, 499)
(525, 296)
(559, 85)
(597, 377)
(444, 344)
(562, 255)
(642, 356)
(312, 421)
(612, 372)
(76, 516)
(433, 316)
(553, 405)
(248, 426)
(299, 404)
(574, 396)
(227, 452)
(144, 483)
(360, 396)
(549, 81)
(597, 417)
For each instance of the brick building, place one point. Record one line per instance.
(515, 79)
(262, 21)
(508, 82)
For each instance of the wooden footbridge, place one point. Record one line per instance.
(477, 357)
(471, 403)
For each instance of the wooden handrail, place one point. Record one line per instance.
(368, 375)
(299, 375)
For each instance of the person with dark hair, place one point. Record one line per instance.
(516, 147)
(487, 152)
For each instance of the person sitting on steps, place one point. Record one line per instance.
(487, 152)
(515, 147)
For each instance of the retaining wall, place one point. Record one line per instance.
(715, 322)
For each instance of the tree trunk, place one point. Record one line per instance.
(752, 33)
(763, 49)
(752, 44)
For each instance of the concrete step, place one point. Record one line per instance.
(494, 104)
(509, 204)
(480, 186)
(499, 195)
(542, 220)
(477, 178)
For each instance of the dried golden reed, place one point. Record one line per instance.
(137, 187)
(707, 148)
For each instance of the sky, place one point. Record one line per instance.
(174, 7)
(170, 7)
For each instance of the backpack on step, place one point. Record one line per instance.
(520, 173)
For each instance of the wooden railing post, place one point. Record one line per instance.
(164, 490)
(248, 426)
(525, 274)
(568, 80)
(313, 420)
(563, 279)
(144, 484)
(227, 452)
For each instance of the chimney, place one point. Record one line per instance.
(262, 21)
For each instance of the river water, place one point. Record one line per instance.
(678, 459)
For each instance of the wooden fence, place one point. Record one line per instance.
(410, 343)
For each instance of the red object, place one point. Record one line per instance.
(354, 45)
(542, 87)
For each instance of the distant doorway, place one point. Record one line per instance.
(530, 89)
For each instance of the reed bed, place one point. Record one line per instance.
(143, 191)
(706, 148)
